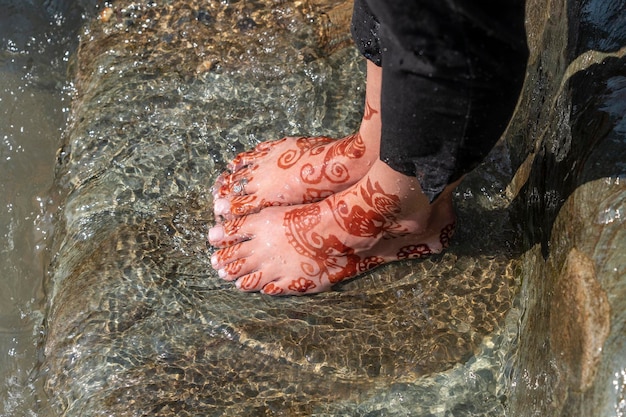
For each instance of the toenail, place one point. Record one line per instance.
(222, 273)
(221, 206)
(216, 234)
(214, 260)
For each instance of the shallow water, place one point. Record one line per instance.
(474, 387)
(136, 307)
(34, 50)
(176, 326)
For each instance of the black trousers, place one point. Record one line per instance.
(452, 74)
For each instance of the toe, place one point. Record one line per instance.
(239, 267)
(272, 289)
(228, 233)
(221, 207)
(219, 181)
(228, 187)
(233, 270)
(216, 234)
(244, 173)
(237, 183)
(242, 160)
(251, 282)
(227, 255)
(247, 204)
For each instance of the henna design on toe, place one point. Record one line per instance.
(244, 205)
(272, 289)
(233, 268)
(231, 227)
(223, 255)
(251, 282)
(234, 184)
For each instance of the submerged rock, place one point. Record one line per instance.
(139, 324)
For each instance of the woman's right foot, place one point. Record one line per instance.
(297, 170)
(307, 248)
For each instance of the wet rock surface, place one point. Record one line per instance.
(571, 192)
(168, 91)
(579, 319)
(139, 324)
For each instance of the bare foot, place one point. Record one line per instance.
(307, 248)
(297, 170)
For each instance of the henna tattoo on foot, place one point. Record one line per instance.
(313, 169)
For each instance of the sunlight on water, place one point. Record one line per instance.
(136, 308)
(174, 113)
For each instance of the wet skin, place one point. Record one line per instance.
(297, 170)
(307, 248)
(338, 211)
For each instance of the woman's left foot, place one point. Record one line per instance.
(301, 170)
(307, 248)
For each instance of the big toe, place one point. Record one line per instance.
(221, 207)
(216, 234)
